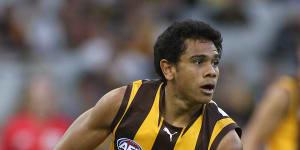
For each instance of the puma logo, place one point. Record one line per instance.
(170, 134)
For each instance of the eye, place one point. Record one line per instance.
(216, 62)
(197, 62)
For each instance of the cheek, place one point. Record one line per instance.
(189, 77)
(181, 76)
(188, 73)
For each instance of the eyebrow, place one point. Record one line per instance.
(205, 56)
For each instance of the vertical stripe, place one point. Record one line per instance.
(122, 107)
(218, 128)
(135, 87)
(138, 110)
(188, 141)
(224, 131)
(161, 102)
(210, 117)
(149, 129)
(167, 137)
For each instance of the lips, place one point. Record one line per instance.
(207, 88)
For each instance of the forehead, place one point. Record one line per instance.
(197, 47)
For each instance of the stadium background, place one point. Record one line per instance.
(84, 48)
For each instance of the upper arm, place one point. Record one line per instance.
(104, 112)
(267, 116)
(92, 127)
(231, 141)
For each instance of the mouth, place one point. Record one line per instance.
(208, 89)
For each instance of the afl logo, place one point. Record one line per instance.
(127, 144)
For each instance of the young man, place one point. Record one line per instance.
(275, 123)
(175, 112)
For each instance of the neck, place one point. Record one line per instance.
(178, 110)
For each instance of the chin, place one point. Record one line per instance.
(205, 99)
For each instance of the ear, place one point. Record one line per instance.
(168, 69)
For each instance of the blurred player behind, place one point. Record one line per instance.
(275, 123)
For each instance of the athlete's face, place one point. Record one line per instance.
(197, 71)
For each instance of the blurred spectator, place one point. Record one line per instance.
(130, 66)
(231, 13)
(95, 54)
(83, 20)
(282, 52)
(36, 125)
(12, 38)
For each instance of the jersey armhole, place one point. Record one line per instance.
(122, 108)
(224, 131)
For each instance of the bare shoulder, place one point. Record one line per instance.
(267, 115)
(276, 96)
(231, 141)
(113, 99)
(277, 88)
(107, 107)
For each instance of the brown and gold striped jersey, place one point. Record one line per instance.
(139, 124)
(286, 134)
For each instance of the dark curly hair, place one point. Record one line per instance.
(170, 45)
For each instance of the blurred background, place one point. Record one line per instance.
(58, 57)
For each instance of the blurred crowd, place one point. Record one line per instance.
(58, 57)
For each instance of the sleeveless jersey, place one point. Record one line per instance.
(286, 135)
(139, 124)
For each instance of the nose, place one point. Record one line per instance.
(210, 72)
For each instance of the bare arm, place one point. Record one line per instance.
(92, 127)
(231, 141)
(266, 117)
